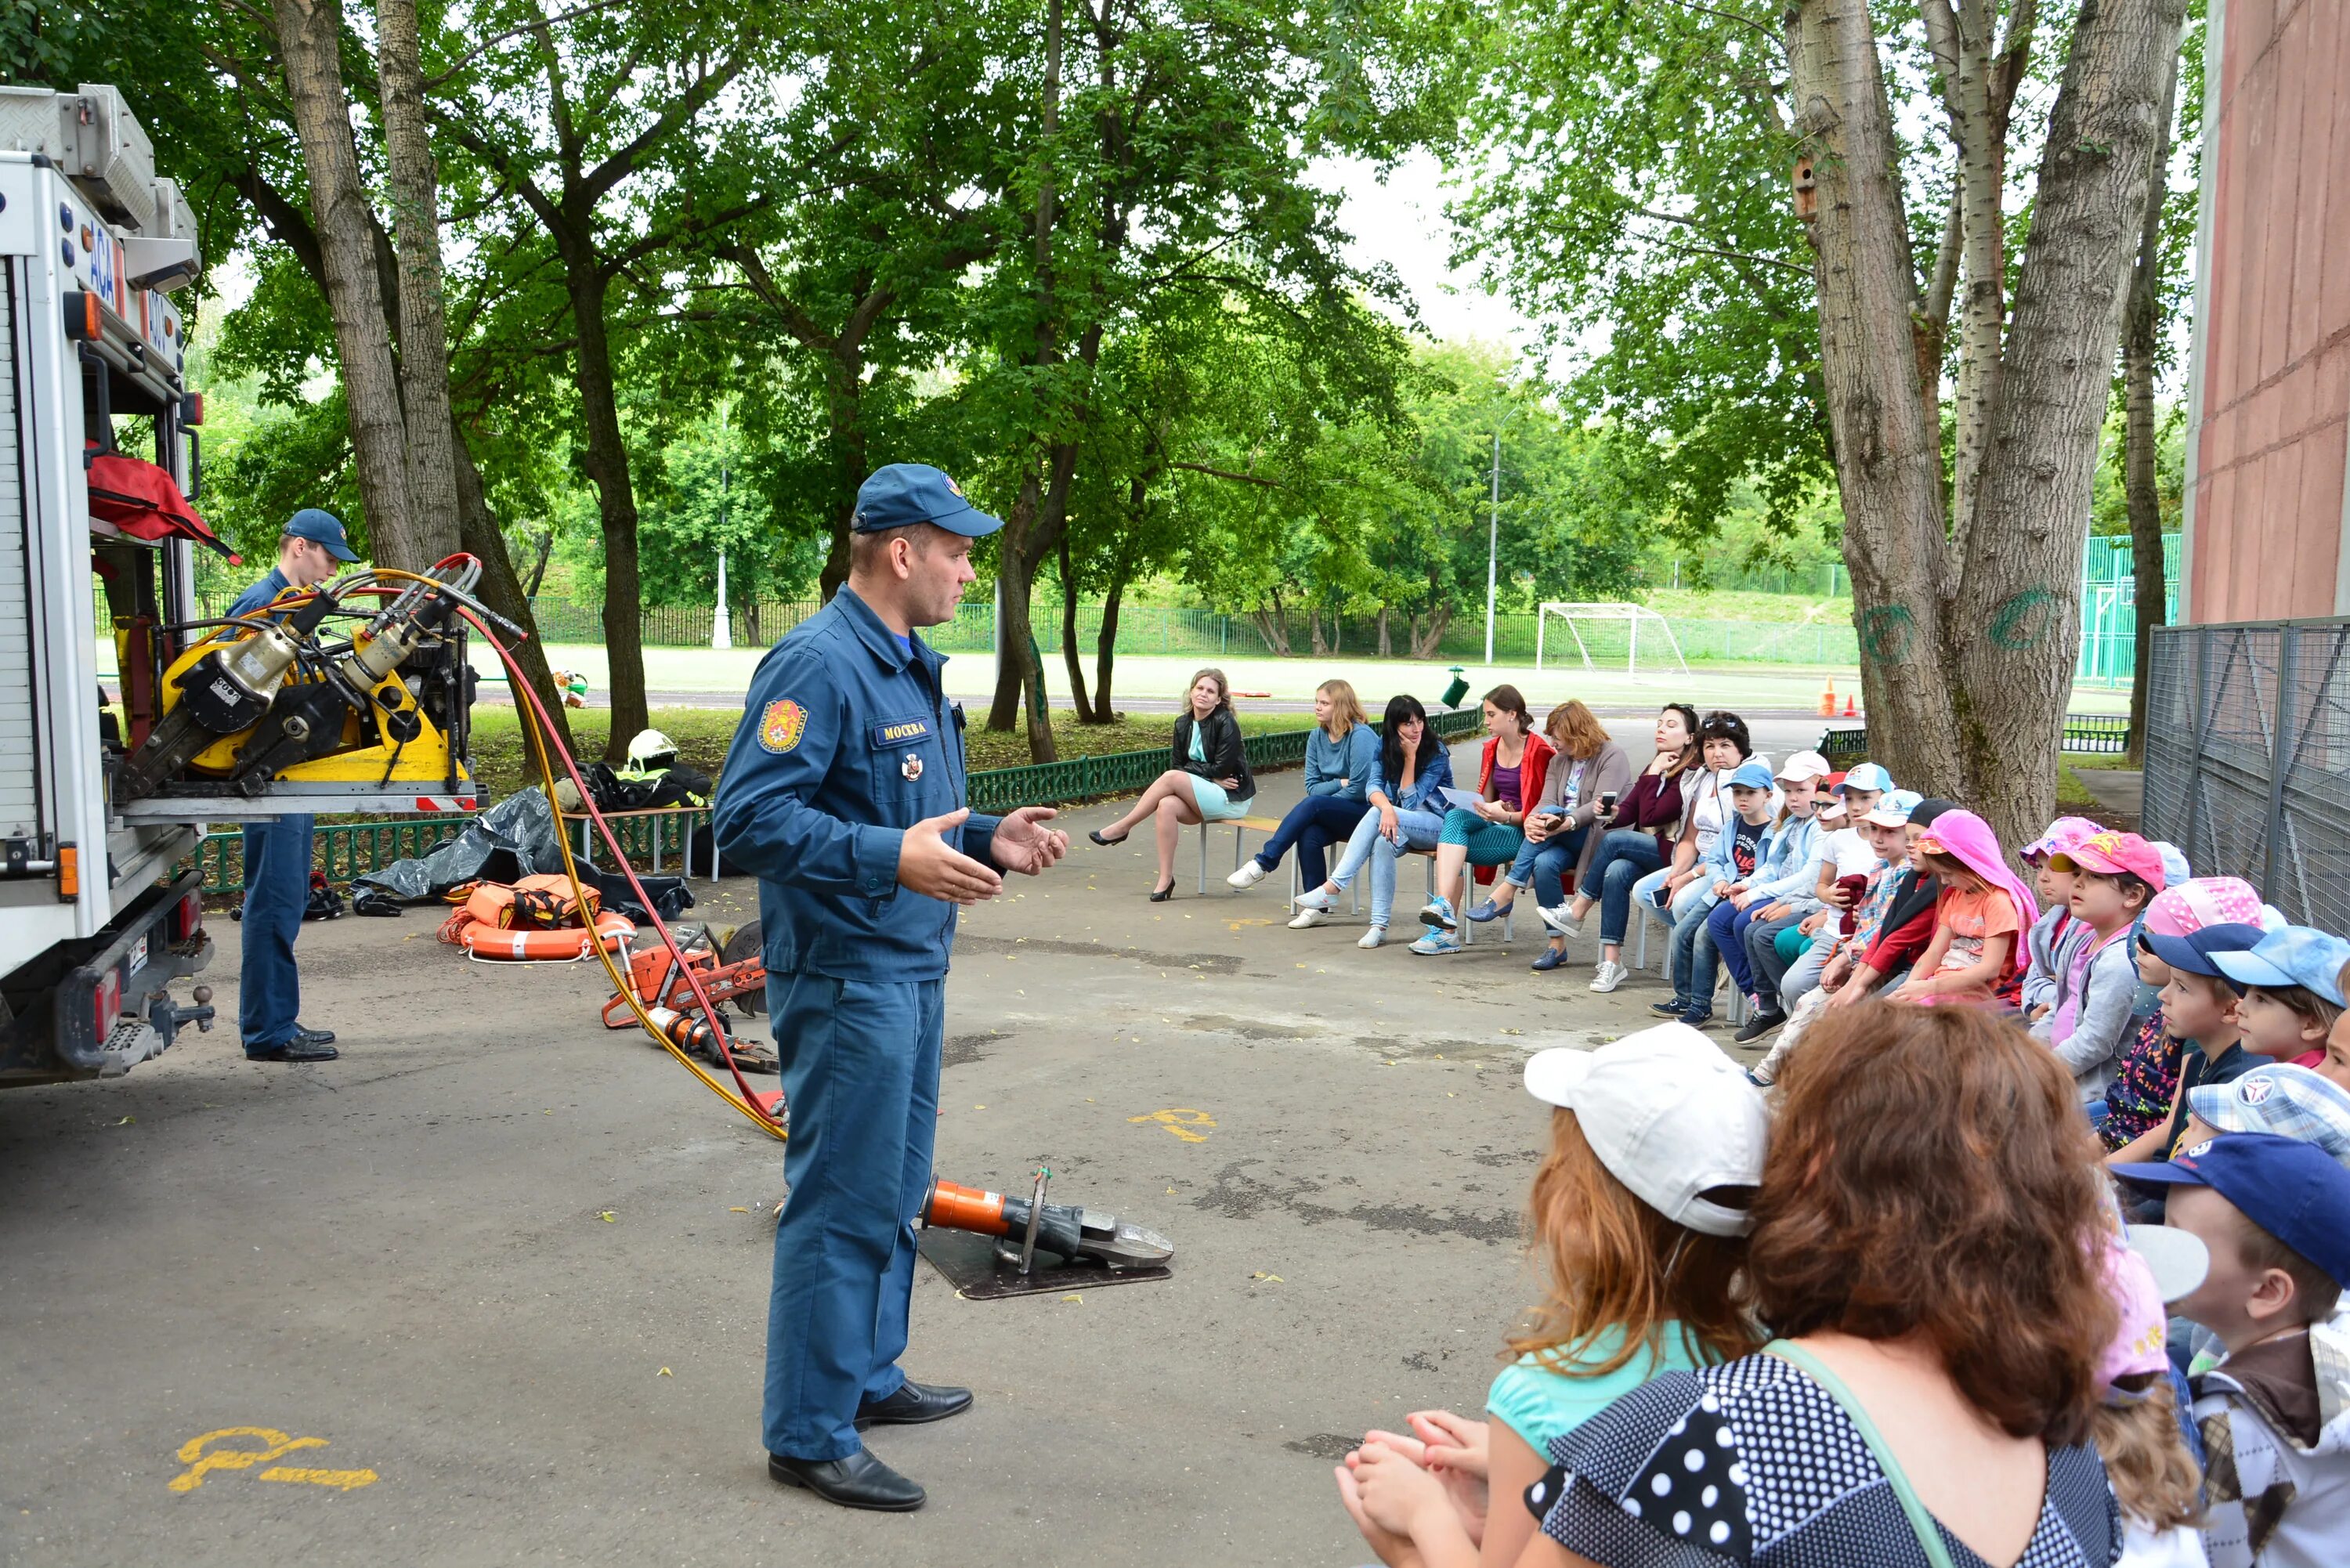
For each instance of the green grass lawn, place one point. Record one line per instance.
(503, 759)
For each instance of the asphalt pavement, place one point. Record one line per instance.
(492, 1288)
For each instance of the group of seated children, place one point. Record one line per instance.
(1890, 1312)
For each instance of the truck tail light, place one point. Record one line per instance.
(187, 917)
(69, 873)
(106, 1003)
(82, 324)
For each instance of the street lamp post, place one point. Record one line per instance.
(1493, 544)
(721, 625)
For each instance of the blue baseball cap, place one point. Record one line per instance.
(2297, 955)
(1866, 775)
(2294, 1190)
(1894, 806)
(902, 493)
(2198, 951)
(1752, 775)
(322, 528)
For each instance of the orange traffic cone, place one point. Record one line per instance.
(1827, 700)
(1850, 710)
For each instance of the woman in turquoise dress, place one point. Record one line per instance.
(1209, 781)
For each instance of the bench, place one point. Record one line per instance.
(654, 817)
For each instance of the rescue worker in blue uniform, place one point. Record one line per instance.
(277, 854)
(844, 793)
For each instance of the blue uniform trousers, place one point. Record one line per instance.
(861, 1072)
(277, 891)
(1313, 824)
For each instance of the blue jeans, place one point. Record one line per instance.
(1624, 857)
(1313, 824)
(861, 1072)
(277, 891)
(1420, 830)
(1727, 927)
(1545, 866)
(1691, 958)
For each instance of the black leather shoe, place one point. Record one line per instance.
(860, 1480)
(309, 1036)
(914, 1403)
(295, 1050)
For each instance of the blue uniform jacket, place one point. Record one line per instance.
(847, 740)
(260, 594)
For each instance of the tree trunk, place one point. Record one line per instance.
(1888, 452)
(1425, 644)
(2020, 596)
(423, 322)
(2141, 341)
(310, 35)
(1069, 641)
(607, 462)
(480, 534)
(1386, 650)
(1106, 652)
(538, 567)
(844, 416)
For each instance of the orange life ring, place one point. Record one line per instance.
(566, 946)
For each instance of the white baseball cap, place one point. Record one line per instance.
(1804, 765)
(1668, 1115)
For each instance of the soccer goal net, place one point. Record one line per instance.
(1633, 637)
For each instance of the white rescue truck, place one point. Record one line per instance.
(355, 698)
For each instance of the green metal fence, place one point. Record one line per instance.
(2086, 734)
(350, 849)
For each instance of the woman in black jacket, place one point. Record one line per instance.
(1210, 781)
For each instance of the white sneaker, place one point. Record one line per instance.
(1372, 938)
(1306, 920)
(1611, 975)
(1314, 899)
(1558, 920)
(1250, 874)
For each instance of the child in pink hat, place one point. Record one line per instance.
(2049, 945)
(2146, 1085)
(2115, 877)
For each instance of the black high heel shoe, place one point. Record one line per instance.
(1095, 834)
(1160, 895)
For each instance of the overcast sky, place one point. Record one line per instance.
(1402, 224)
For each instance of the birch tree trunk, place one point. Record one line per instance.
(310, 37)
(423, 322)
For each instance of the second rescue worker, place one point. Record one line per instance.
(844, 794)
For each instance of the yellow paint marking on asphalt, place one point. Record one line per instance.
(1180, 1120)
(341, 1480)
(201, 1463)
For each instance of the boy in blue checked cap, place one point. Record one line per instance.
(2289, 1101)
(2275, 1409)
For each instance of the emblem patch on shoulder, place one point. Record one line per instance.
(781, 726)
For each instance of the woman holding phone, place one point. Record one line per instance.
(1588, 774)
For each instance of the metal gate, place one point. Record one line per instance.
(2248, 759)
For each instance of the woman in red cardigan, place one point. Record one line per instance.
(1508, 782)
(1641, 841)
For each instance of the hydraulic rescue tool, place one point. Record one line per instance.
(271, 697)
(1075, 1234)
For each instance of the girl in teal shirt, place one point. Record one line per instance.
(1639, 1225)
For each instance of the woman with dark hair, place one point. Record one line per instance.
(1639, 840)
(1508, 782)
(1409, 774)
(1922, 1246)
(1209, 781)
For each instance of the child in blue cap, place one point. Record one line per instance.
(2275, 1409)
(2291, 992)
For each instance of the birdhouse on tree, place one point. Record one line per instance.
(1808, 191)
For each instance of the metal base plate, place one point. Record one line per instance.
(967, 1262)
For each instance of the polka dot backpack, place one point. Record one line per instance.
(1930, 1535)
